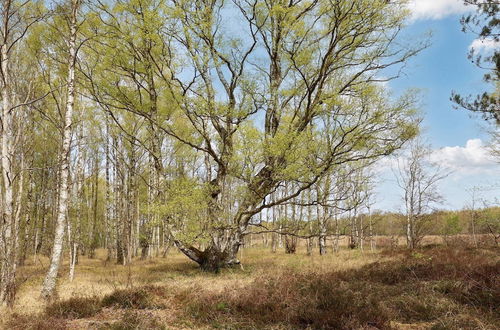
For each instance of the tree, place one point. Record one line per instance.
(485, 23)
(418, 177)
(254, 99)
(474, 194)
(17, 94)
(494, 143)
(479, 221)
(451, 226)
(49, 284)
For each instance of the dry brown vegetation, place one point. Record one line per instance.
(434, 288)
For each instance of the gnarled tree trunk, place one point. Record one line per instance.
(213, 258)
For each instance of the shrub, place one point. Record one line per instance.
(74, 308)
(136, 320)
(135, 298)
(35, 322)
(298, 300)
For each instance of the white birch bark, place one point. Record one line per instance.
(49, 284)
(7, 268)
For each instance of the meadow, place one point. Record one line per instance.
(435, 287)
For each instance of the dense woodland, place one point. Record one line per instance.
(140, 126)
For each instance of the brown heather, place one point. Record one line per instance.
(436, 287)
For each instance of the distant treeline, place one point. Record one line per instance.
(445, 223)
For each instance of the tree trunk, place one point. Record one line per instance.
(213, 258)
(309, 222)
(322, 231)
(72, 253)
(290, 244)
(49, 284)
(409, 232)
(274, 240)
(8, 260)
(118, 188)
(94, 237)
(336, 238)
(107, 215)
(372, 241)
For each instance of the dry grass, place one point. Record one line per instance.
(435, 288)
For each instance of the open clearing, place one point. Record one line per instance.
(434, 288)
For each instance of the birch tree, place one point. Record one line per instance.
(49, 284)
(17, 20)
(418, 178)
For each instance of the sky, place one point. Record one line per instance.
(458, 140)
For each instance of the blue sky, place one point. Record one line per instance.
(458, 138)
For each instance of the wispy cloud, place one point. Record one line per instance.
(484, 45)
(470, 165)
(436, 9)
(473, 158)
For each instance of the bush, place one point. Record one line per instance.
(74, 308)
(135, 298)
(297, 300)
(136, 320)
(35, 322)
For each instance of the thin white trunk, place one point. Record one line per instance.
(73, 259)
(322, 229)
(274, 235)
(372, 242)
(337, 235)
(7, 275)
(473, 218)
(49, 284)
(309, 222)
(109, 220)
(72, 253)
(409, 235)
(361, 233)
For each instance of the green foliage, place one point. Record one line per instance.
(452, 225)
(489, 220)
(186, 122)
(185, 208)
(485, 24)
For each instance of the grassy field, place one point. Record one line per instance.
(434, 288)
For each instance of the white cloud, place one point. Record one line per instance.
(484, 44)
(473, 158)
(470, 165)
(436, 9)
